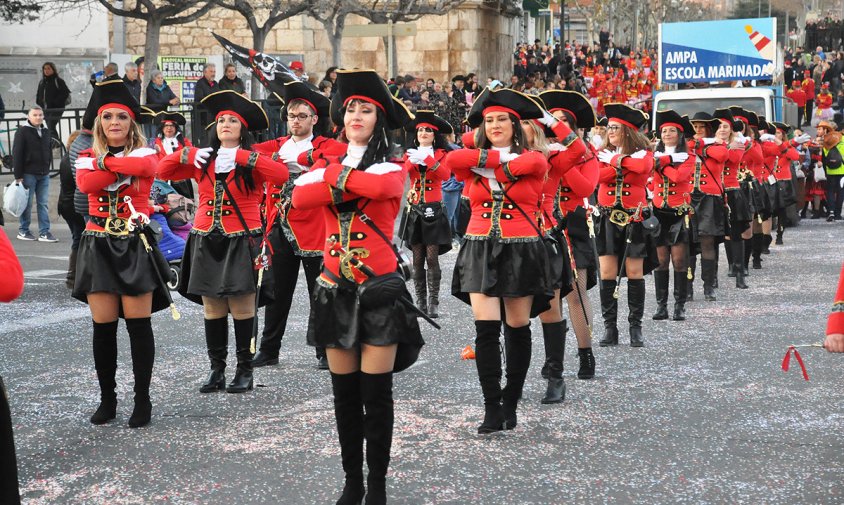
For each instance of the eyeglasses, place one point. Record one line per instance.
(300, 117)
(613, 128)
(425, 129)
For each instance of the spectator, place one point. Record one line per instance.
(832, 156)
(231, 81)
(298, 69)
(330, 75)
(133, 82)
(206, 84)
(52, 96)
(74, 221)
(159, 94)
(327, 89)
(409, 93)
(32, 158)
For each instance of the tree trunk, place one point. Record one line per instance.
(259, 39)
(150, 52)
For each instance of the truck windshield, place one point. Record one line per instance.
(691, 106)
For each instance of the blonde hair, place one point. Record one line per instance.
(540, 141)
(136, 138)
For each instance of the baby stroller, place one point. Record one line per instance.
(174, 223)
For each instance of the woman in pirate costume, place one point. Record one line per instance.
(625, 247)
(170, 138)
(222, 251)
(577, 167)
(671, 189)
(115, 275)
(426, 229)
(356, 314)
(780, 152)
(503, 259)
(752, 155)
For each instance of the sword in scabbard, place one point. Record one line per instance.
(628, 239)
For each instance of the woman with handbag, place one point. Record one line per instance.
(673, 168)
(224, 247)
(504, 257)
(625, 247)
(426, 229)
(576, 184)
(355, 313)
(114, 274)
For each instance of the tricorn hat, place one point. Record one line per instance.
(431, 120)
(229, 101)
(572, 102)
(368, 86)
(503, 100)
(626, 115)
(110, 95)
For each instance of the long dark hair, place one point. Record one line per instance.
(52, 66)
(439, 140)
(517, 145)
(240, 171)
(327, 76)
(681, 146)
(159, 132)
(380, 147)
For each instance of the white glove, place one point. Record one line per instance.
(708, 140)
(310, 177)
(416, 157)
(202, 156)
(556, 146)
(547, 119)
(85, 163)
(739, 138)
(679, 157)
(767, 137)
(638, 155)
(485, 172)
(606, 156)
(508, 157)
(597, 141)
(800, 139)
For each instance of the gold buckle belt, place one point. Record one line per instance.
(620, 218)
(116, 226)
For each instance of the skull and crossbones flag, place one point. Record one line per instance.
(270, 71)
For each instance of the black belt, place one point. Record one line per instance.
(117, 226)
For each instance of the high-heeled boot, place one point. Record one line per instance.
(609, 311)
(242, 381)
(587, 363)
(105, 362)
(554, 336)
(217, 344)
(517, 348)
(731, 263)
(434, 276)
(661, 290)
(348, 411)
(636, 306)
(708, 273)
(748, 251)
(680, 283)
(376, 391)
(757, 241)
(488, 363)
(738, 255)
(420, 285)
(142, 343)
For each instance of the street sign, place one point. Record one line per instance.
(380, 30)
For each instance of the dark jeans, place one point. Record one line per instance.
(8, 462)
(285, 268)
(76, 224)
(451, 200)
(39, 190)
(834, 194)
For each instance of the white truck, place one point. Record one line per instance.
(763, 100)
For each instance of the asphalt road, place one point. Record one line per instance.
(702, 414)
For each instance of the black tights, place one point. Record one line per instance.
(421, 253)
(677, 255)
(707, 247)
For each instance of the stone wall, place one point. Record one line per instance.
(468, 39)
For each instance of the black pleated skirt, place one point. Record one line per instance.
(504, 270)
(781, 194)
(582, 245)
(428, 225)
(761, 200)
(119, 265)
(611, 240)
(672, 227)
(710, 217)
(740, 210)
(221, 266)
(747, 190)
(338, 321)
(562, 273)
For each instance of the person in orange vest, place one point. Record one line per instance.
(834, 341)
(798, 96)
(808, 85)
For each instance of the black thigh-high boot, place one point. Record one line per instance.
(488, 362)
(517, 348)
(661, 288)
(766, 243)
(731, 260)
(554, 335)
(434, 277)
(105, 361)
(708, 273)
(738, 258)
(748, 250)
(376, 391)
(420, 283)
(348, 411)
(609, 311)
(757, 242)
(715, 267)
(781, 217)
(217, 344)
(142, 343)
(636, 306)
(242, 381)
(680, 283)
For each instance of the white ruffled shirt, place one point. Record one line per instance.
(291, 150)
(170, 144)
(225, 165)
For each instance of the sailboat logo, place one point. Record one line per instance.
(763, 45)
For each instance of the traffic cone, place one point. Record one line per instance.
(468, 353)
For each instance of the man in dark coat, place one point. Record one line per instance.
(33, 157)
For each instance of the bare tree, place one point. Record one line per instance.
(272, 12)
(332, 14)
(19, 11)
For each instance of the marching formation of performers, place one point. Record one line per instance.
(557, 201)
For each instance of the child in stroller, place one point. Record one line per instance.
(174, 215)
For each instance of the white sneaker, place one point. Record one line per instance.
(47, 237)
(26, 236)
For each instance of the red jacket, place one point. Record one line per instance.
(324, 147)
(522, 179)
(12, 285)
(778, 159)
(835, 322)
(214, 209)
(809, 88)
(378, 190)
(708, 175)
(436, 171)
(159, 146)
(824, 101)
(671, 184)
(751, 160)
(102, 203)
(731, 168)
(797, 95)
(304, 229)
(554, 191)
(623, 181)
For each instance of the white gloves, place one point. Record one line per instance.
(638, 155)
(660, 154)
(679, 157)
(597, 141)
(85, 163)
(708, 140)
(547, 119)
(508, 157)
(606, 156)
(767, 137)
(485, 172)
(202, 156)
(741, 139)
(800, 139)
(556, 146)
(416, 157)
(310, 177)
